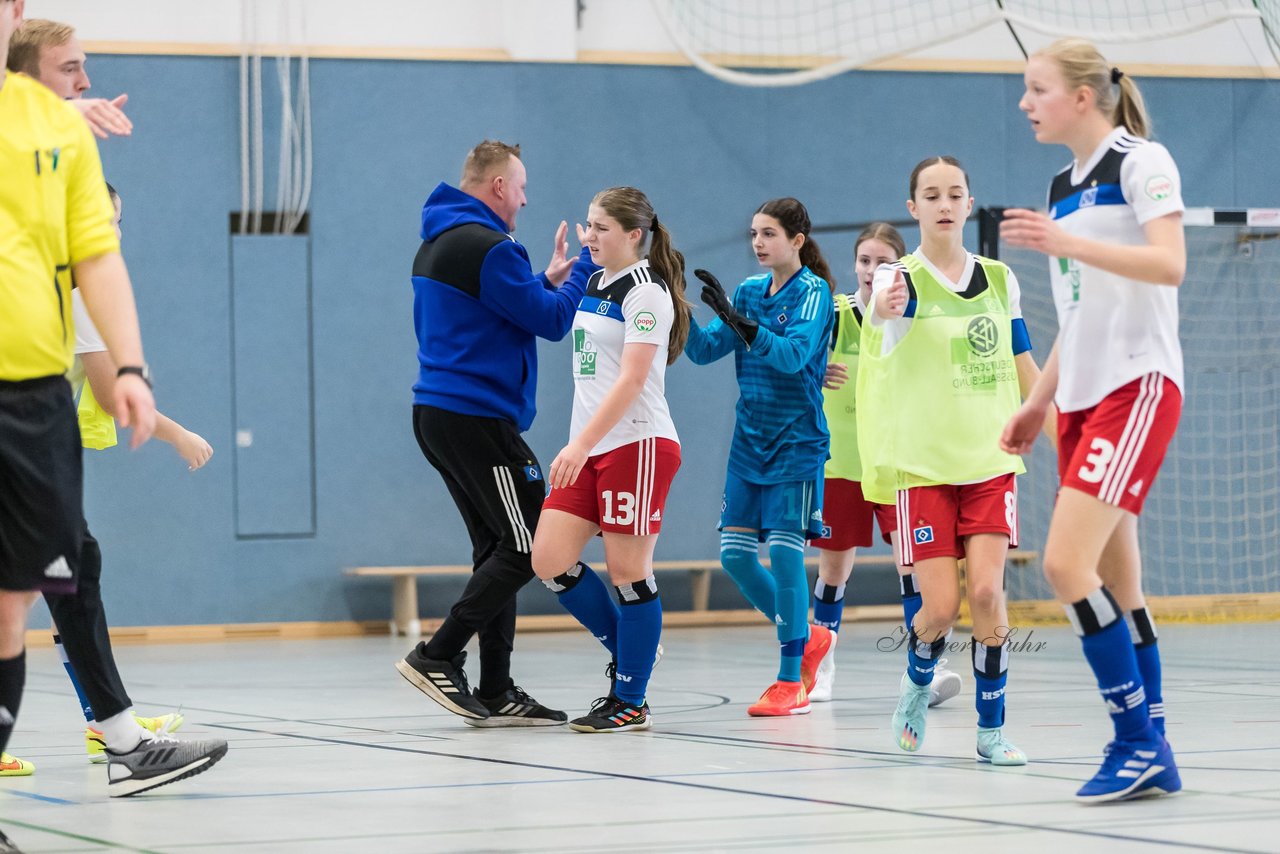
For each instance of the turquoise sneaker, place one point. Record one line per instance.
(993, 747)
(909, 717)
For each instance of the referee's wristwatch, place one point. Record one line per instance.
(141, 371)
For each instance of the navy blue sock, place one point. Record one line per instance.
(922, 656)
(990, 672)
(75, 682)
(740, 557)
(786, 558)
(828, 604)
(1109, 649)
(583, 594)
(13, 675)
(911, 598)
(639, 629)
(1143, 631)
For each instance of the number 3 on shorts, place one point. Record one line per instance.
(1097, 461)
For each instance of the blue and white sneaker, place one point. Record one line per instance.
(1133, 769)
(909, 717)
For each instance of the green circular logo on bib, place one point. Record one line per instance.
(982, 335)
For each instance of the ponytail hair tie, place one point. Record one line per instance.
(1116, 74)
(654, 226)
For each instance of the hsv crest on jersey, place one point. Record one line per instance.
(922, 535)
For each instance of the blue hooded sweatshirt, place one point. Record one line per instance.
(478, 309)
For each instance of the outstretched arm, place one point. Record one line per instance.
(509, 287)
(100, 372)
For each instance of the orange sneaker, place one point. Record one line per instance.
(815, 649)
(781, 698)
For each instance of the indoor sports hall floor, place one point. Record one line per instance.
(332, 751)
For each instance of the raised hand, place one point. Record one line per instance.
(558, 269)
(713, 295)
(104, 117)
(892, 302)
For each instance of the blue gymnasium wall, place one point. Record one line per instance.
(385, 134)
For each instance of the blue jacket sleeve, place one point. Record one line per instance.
(805, 337)
(509, 288)
(708, 343)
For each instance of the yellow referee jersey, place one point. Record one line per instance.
(54, 213)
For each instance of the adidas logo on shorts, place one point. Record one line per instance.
(58, 569)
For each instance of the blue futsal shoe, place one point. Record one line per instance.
(1133, 769)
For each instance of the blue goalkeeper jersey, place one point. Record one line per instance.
(781, 433)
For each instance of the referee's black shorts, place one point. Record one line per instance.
(41, 491)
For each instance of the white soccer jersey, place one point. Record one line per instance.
(1113, 330)
(632, 307)
(88, 340)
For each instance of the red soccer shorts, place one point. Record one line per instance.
(934, 520)
(847, 516)
(1113, 450)
(624, 491)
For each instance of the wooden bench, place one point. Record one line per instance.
(405, 617)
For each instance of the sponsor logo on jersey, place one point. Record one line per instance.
(58, 569)
(1136, 489)
(982, 335)
(645, 321)
(1159, 187)
(922, 535)
(656, 517)
(584, 352)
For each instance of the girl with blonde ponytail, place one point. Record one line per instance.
(1113, 234)
(613, 476)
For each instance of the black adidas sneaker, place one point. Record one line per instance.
(443, 681)
(513, 707)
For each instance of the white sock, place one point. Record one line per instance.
(121, 732)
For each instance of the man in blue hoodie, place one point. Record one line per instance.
(478, 310)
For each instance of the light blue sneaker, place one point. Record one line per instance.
(993, 747)
(1133, 769)
(909, 717)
